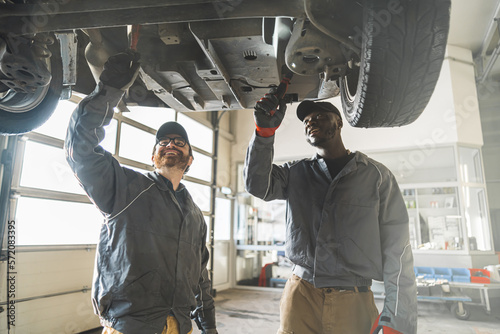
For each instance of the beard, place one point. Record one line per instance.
(319, 141)
(179, 161)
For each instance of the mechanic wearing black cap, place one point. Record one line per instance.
(150, 273)
(347, 224)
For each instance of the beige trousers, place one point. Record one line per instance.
(172, 327)
(306, 309)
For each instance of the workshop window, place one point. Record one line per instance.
(444, 191)
(149, 116)
(200, 193)
(201, 167)
(200, 135)
(50, 207)
(53, 222)
(136, 144)
(109, 141)
(57, 125)
(223, 212)
(45, 167)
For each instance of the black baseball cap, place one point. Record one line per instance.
(308, 106)
(171, 128)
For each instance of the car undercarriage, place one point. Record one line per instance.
(382, 56)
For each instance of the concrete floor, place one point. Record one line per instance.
(246, 311)
(241, 311)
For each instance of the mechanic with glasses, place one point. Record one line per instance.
(150, 273)
(178, 141)
(347, 224)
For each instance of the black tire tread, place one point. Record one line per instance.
(401, 65)
(19, 123)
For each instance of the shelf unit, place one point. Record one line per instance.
(434, 217)
(445, 193)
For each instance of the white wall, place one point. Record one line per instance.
(463, 83)
(51, 272)
(490, 118)
(290, 140)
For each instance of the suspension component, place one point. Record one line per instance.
(23, 62)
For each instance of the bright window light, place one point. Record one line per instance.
(50, 222)
(45, 167)
(222, 219)
(201, 194)
(150, 116)
(109, 141)
(57, 125)
(136, 144)
(199, 135)
(201, 167)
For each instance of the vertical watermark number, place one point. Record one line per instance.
(11, 274)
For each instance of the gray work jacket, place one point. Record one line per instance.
(363, 225)
(151, 257)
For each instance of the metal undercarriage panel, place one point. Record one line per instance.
(196, 55)
(215, 65)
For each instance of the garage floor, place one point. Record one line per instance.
(244, 311)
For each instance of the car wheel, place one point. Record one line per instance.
(24, 112)
(402, 50)
(462, 313)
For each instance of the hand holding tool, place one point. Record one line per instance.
(269, 111)
(121, 70)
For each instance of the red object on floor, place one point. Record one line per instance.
(263, 276)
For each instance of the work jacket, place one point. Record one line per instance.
(151, 257)
(343, 231)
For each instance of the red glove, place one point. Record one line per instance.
(385, 330)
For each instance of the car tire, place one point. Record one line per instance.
(463, 314)
(401, 58)
(25, 112)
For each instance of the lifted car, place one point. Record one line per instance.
(382, 56)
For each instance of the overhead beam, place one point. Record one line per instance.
(29, 19)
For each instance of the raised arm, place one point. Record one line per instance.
(263, 179)
(95, 168)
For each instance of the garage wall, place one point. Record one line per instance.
(490, 118)
(226, 140)
(53, 287)
(290, 141)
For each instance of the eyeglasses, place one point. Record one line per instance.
(178, 141)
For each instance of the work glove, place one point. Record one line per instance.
(268, 114)
(121, 70)
(385, 330)
(205, 319)
(269, 111)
